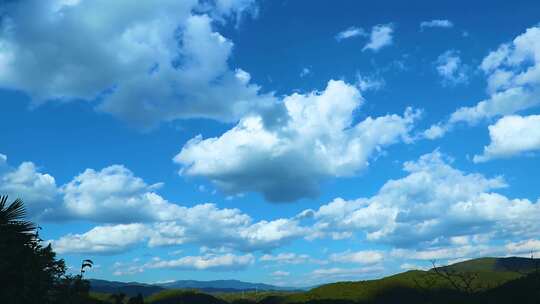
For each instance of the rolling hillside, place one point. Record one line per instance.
(493, 279)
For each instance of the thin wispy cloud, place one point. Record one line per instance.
(351, 32)
(441, 23)
(381, 36)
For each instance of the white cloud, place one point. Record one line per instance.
(442, 23)
(512, 135)
(344, 273)
(513, 76)
(305, 72)
(451, 69)
(272, 159)
(381, 36)
(436, 131)
(226, 262)
(410, 266)
(172, 64)
(351, 32)
(366, 83)
(409, 211)
(102, 240)
(280, 273)
(444, 253)
(38, 190)
(286, 258)
(227, 228)
(358, 257)
(115, 194)
(236, 7)
(524, 247)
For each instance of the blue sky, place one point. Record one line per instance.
(286, 142)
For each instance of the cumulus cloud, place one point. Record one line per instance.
(226, 262)
(226, 228)
(351, 32)
(513, 78)
(381, 36)
(114, 194)
(126, 204)
(441, 23)
(409, 211)
(358, 257)
(38, 190)
(274, 159)
(173, 64)
(451, 69)
(102, 239)
(512, 135)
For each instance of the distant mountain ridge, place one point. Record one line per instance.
(133, 288)
(494, 271)
(220, 284)
(129, 288)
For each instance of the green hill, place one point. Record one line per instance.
(491, 281)
(510, 264)
(179, 296)
(488, 273)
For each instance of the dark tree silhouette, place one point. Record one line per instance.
(29, 272)
(118, 298)
(136, 300)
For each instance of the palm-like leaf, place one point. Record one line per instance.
(12, 217)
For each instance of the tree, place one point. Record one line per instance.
(136, 300)
(118, 298)
(30, 272)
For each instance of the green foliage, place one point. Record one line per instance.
(30, 272)
(252, 296)
(181, 296)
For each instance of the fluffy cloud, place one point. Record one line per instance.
(381, 36)
(102, 239)
(513, 76)
(273, 158)
(226, 262)
(451, 69)
(442, 23)
(226, 228)
(409, 211)
(531, 246)
(38, 189)
(126, 204)
(114, 194)
(512, 135)
(236, 232)
(358, 257)
(172, 64)
(351, 32)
